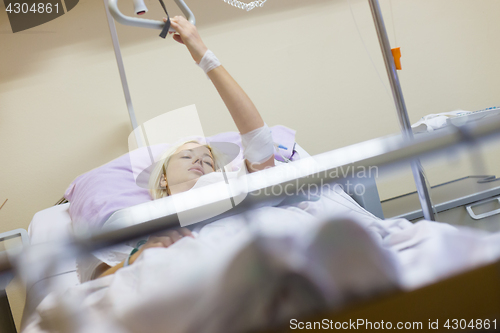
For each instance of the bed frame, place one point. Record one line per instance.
(471, 295)
(451, 297)
(468, 296)
(7, 324)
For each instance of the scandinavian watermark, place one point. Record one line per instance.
(351, 179)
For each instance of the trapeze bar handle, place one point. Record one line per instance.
(146, 23)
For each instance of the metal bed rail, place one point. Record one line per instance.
(317, 170)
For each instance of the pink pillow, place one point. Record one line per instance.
(97, 194)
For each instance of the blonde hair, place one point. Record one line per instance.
(155, 190)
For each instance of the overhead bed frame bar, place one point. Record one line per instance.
(111, 7)
(417, 169)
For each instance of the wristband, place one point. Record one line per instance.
(139, 244)
(209, 62)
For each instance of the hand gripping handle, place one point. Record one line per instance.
(146, 23)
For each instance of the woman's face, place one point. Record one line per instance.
(188, 163)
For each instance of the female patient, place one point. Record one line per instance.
(185, 164)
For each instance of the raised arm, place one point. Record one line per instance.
(242, 110)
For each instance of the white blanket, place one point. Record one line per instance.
(269, 265)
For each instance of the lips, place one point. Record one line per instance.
(197, 169)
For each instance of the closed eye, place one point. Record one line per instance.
(210, 164)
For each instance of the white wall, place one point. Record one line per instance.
(62, 110)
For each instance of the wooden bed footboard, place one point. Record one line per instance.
(468, 301)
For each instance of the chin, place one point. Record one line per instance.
(194, 175)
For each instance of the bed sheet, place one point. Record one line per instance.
(49, 225)
(240, 273)
(280, 262)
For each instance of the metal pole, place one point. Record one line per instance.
(404, 120)
(123, 77)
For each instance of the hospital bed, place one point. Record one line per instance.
(54, 225)
(451, 294)
(481, 284)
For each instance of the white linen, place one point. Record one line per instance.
(41, 230)
(426, 251)
(430, 251)
(240, 273)
(49, 226)
(154, 209)
(432, 122)
(272, 262)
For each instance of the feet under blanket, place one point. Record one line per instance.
(257, 269)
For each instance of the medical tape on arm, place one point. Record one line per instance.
(258, 145)
(209, 62)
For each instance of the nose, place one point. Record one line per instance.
(198, 160)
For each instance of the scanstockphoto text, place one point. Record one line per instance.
(352, 179)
